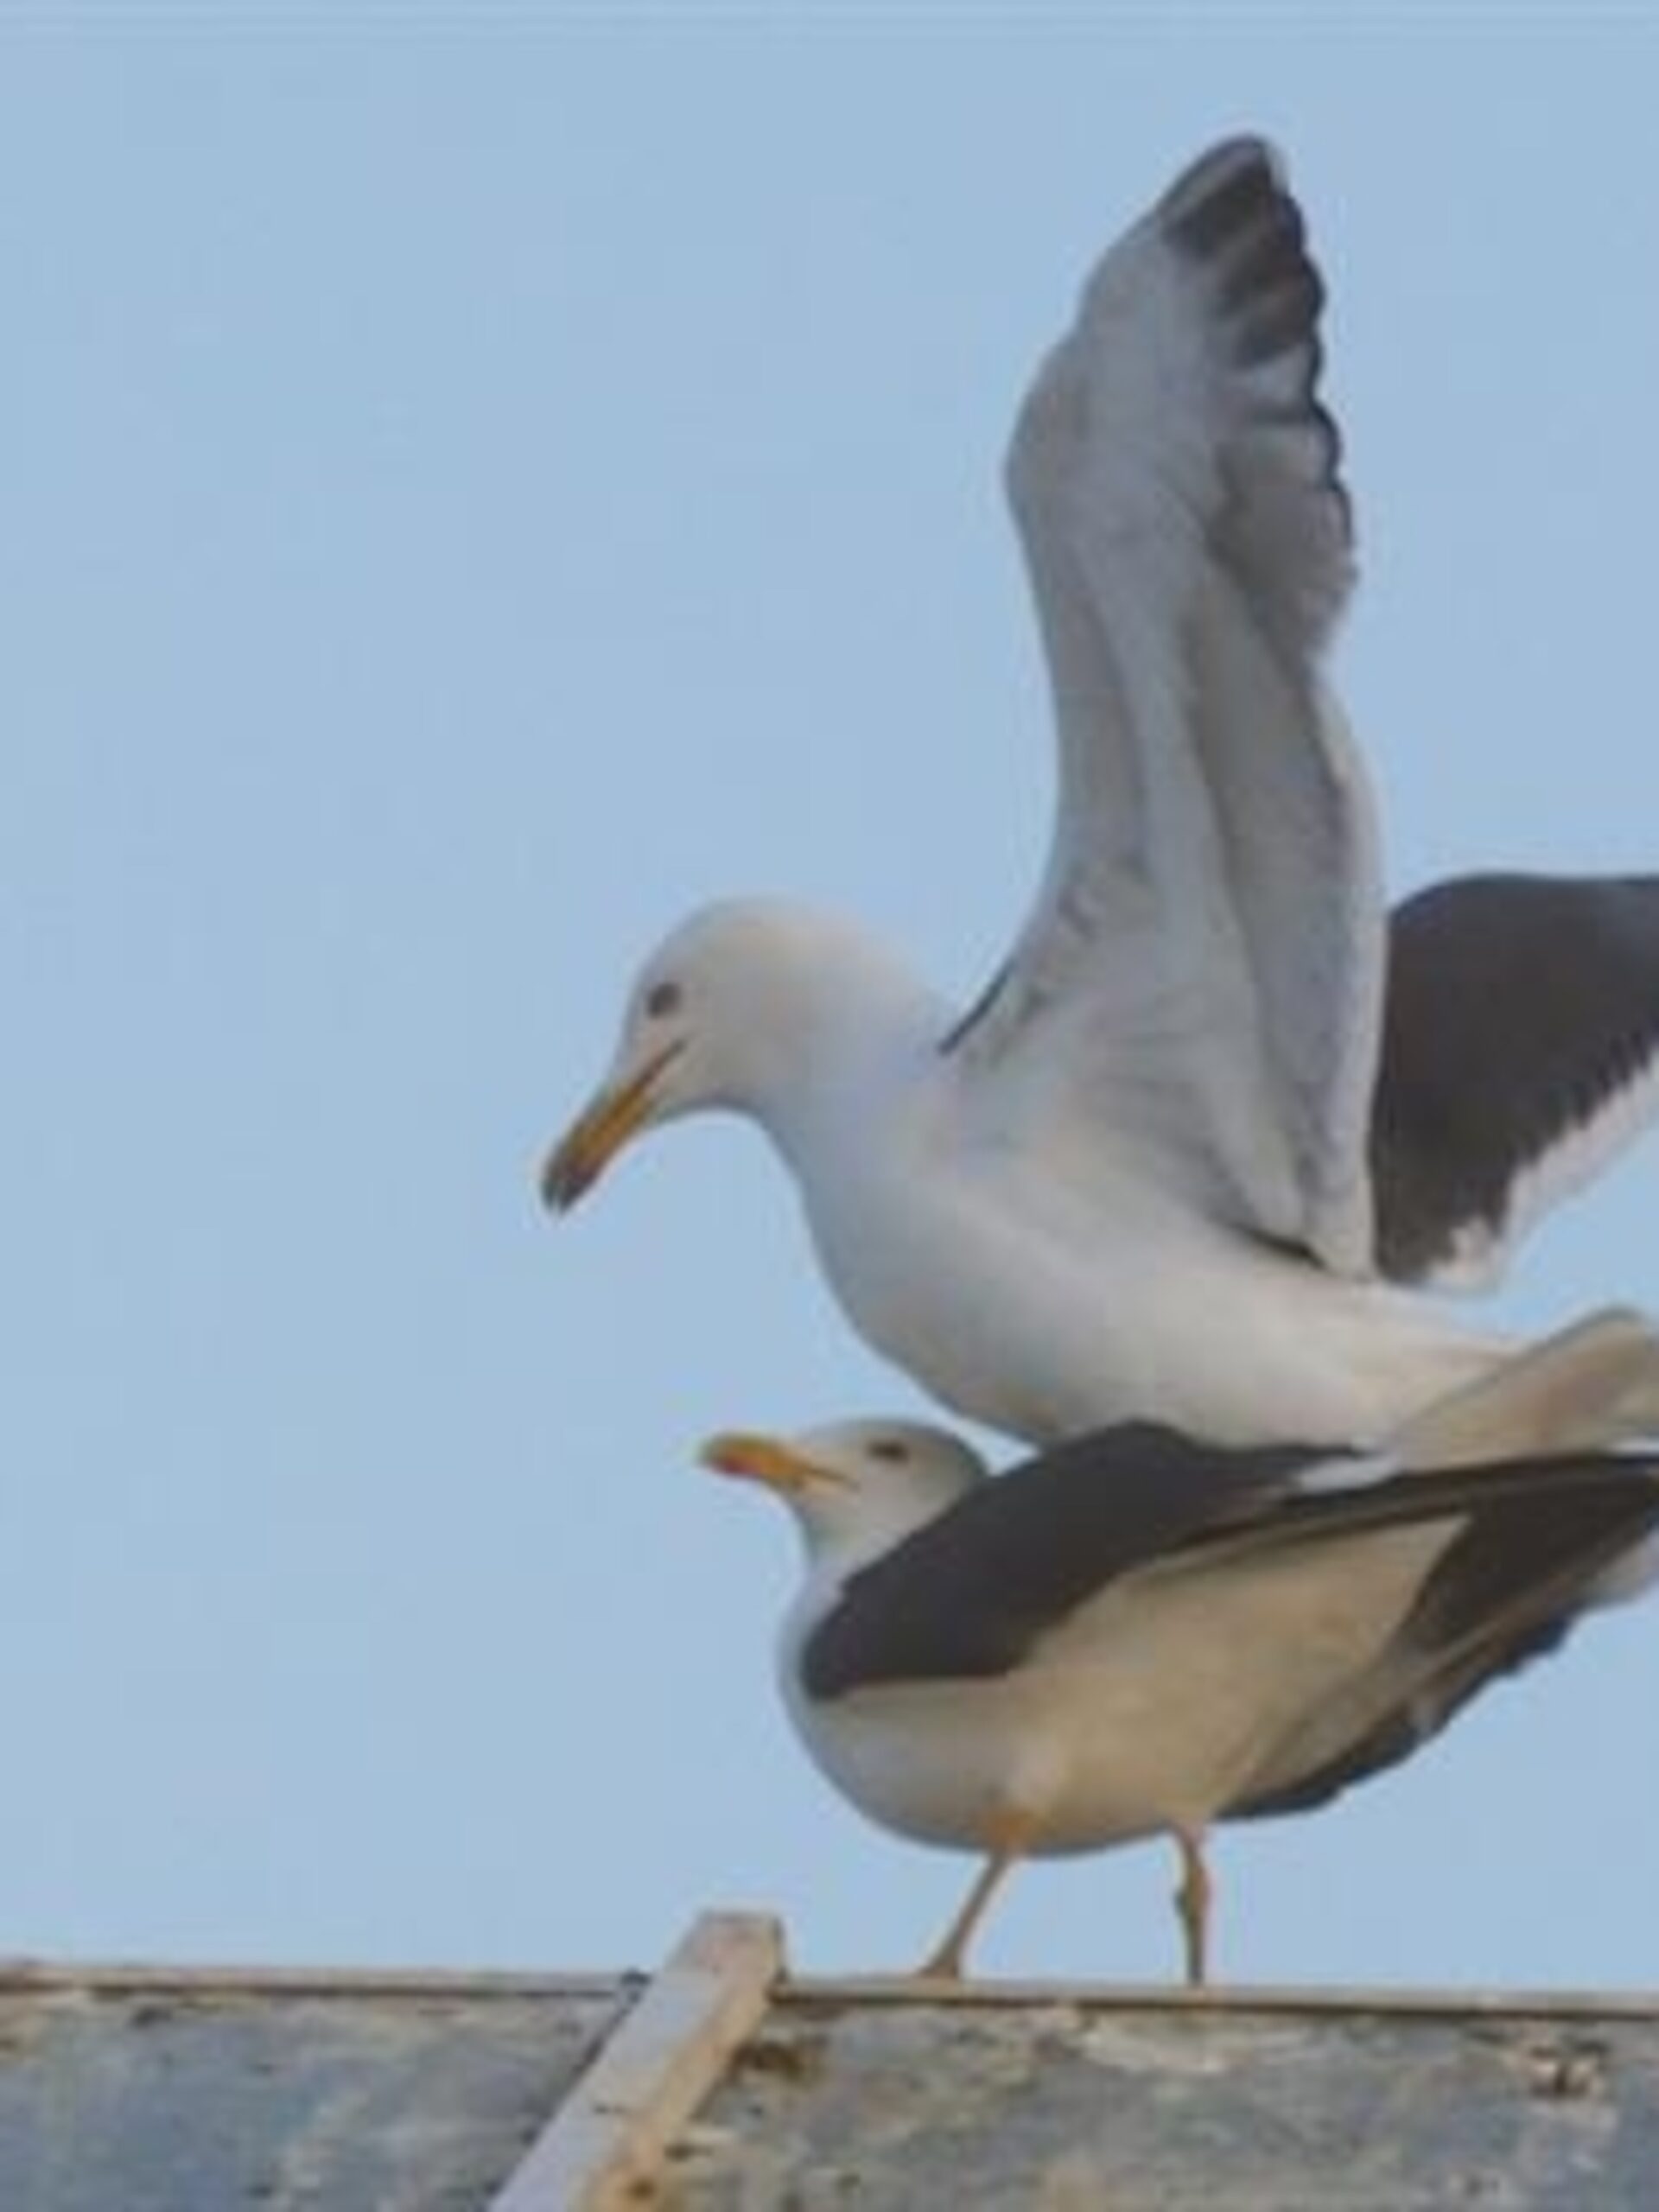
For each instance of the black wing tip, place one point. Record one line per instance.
(1214, 192)
(1224, 193)
(1233, 218)
(1233, 212)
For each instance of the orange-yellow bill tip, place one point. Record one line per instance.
(576, 1162)
(765, 1460)
(599, 1133)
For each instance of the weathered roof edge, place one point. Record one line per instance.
(116, 1977)
(122, 1977)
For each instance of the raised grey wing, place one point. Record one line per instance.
(1201, 969)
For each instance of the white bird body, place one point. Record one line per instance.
(1043, 1306)
(1046, 1285)
(1217, 1104)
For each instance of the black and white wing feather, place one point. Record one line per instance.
(1529, 1545)
(1520, 1051)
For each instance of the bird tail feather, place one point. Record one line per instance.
(1588, 1388)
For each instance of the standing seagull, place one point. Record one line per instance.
(1215, 1107)
(1137, 1634)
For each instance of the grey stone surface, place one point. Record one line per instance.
(1085, 2107)
(160, 2092)
(263, 2097)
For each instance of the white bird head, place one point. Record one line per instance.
(856, 1486)
(731, 1011)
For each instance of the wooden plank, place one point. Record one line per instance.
(601, 2148)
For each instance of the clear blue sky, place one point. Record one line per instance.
(478, 482)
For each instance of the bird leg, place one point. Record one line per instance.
(1011, 1837)
(1192, 1903)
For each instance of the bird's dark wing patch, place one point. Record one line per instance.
(970, 1594)
(1520, 1012)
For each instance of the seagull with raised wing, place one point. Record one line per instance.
(1217, 1118)
(1137, 1634)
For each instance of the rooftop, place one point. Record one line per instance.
(720, 2084)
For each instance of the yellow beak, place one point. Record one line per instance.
(764, 1459)
(599, 1132)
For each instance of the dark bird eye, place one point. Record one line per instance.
(662, 999)
(890, 1449)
